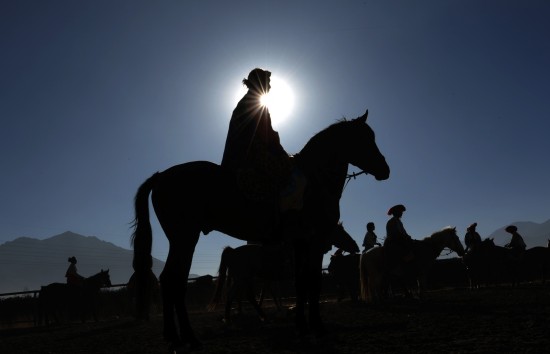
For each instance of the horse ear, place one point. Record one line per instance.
(363, 118)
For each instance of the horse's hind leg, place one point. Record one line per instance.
(250, 294)
(314, 293)
(173, 280)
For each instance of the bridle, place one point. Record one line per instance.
(352, 175)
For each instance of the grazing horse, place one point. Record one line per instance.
(58, 298)
(243, 267)
(201, 196)
(374, 272)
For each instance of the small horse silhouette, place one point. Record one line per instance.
(344, 269)
(375, 274)
(535, 265)
(59, 299)
(242, 268)
(489, 263)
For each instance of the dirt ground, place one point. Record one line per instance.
(494, 319)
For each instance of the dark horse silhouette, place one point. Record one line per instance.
(243, 268)
(58, 299)
(375, 274)
(201, 196)
(489, 263)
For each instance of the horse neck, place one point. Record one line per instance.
(93, 281)
(324, 170)
(436, 243)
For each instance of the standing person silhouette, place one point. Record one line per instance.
(398, 242)
(472, 239)
(254, 154)
(370, 239)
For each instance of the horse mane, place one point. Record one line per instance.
(327, 131)
(435, 234)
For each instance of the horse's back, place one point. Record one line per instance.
(246, 260)
(53, 288)
(201, 195)
(373, 258)
(538, 253)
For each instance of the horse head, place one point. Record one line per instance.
(343, 240)
(451, 240)
(104, 280)
(487, 243)
(363, 153)
(342, 143)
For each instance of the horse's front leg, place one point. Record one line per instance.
(314, 293)
(301, 291)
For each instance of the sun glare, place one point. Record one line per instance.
(279, 100)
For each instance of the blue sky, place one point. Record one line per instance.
(95, 96)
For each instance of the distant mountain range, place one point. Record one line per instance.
(27, 263)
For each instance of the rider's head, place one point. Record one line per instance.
(511, 229)
(397, 210)
(72, 260)
(258, 81)
(472, 227)
(370, 226)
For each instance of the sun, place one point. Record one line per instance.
(279, 100)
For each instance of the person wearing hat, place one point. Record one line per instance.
(472, 238)
(253, 153)
(516, 243)
(370, 239)
(73, 278)
(398, 242)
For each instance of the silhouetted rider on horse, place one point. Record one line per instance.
(263, 170)
(398, 243)
(73, 278)
(472, 239)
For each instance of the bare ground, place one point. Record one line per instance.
(494, 319)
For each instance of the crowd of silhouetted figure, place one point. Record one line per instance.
(398, 263)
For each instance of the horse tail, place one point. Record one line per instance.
(142, 240)
(222, 275)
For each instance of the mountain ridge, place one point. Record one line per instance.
(27, 263)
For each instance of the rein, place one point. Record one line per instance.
(448, 253)
(352, 175)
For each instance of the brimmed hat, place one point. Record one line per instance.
(511, 228)
(471, 227)
(398, 207)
